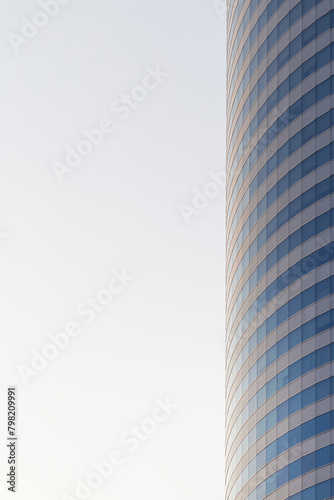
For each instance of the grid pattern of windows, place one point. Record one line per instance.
(307, 430)
(282, 27)
(304, 332)
(295, 174)
(303, 465)
(246, 17)
(308, 198)
(313, 129)
(316, 29)
(325, 254)
(268, 12)
(300, 367)
(280, 250)
(320, 491)
(312, 97)
(294, 240)
(284, 216)
(317, 61)
(302, 399)
(303, 234)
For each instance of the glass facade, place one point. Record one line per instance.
(280, 250)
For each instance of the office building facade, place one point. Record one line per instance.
(280, 250)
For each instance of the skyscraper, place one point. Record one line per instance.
(280, 250)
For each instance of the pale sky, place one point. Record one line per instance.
(121, 208)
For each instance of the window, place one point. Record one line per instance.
(308, 396)
(295, 13)
(308, 463)
(282, 249)
(322, 123)
(295, 469)
(271, 484)
(282, 444)
(323, 457)
(272, 258)
(271, 387)
(295, 403)
(295, 77)
(283, 88)
(283, 57)
(282, 378)
(295, 436)
(323, 389)
(308, 165)
(323, 423)
(323, 89)
(323, 222)
(283, 185)
(322, 289)
(296, 109)
(261, 364)
(297, 496)
(260, 461)
(323, 322)
(271, 227)
(271, 452)
(295, 338)
(271, 165)
(295, 46)
(323, 57)
(323, 356)
(294, 143)
(282, 476)
(282, 346)
(271, 419)
(308, 363)
(261, 396)
(308, 297)
(308, 330)
(308, 197)
(323, 24)
(283, 153)
(282, 314)
(323, 489)
(308, 67)
(261, 428)
(308, 132)
(295, 370)
(283, 411)
(311, 492)
(294, 305)
(271, 355)
(295, 174)
(295, 207)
